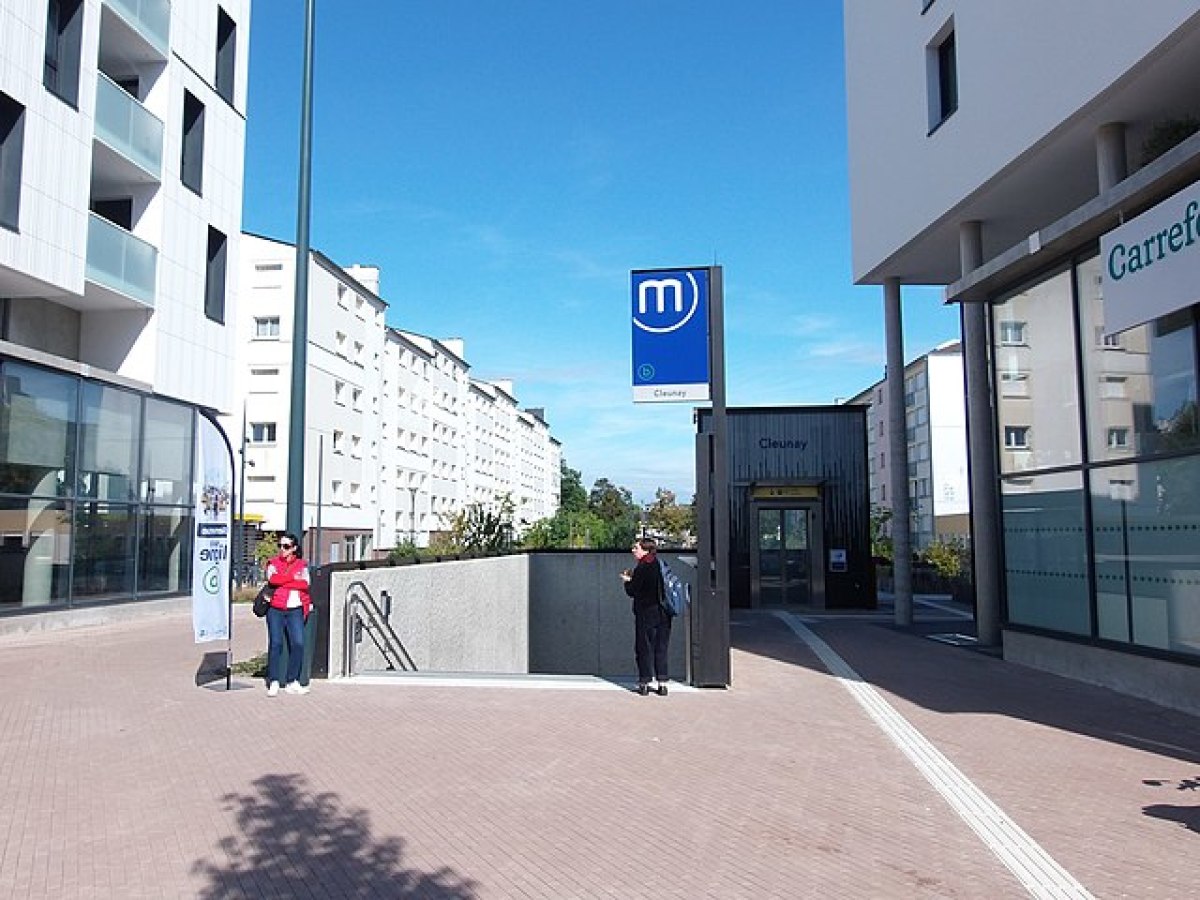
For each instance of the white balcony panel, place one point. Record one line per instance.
(121, 269)
(135, 32)
(133, 137)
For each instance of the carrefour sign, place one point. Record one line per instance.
(670, 335)
(1152, 263)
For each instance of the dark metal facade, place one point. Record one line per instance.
(819, 448)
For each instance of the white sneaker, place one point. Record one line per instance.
(296, 687)
(273, 689)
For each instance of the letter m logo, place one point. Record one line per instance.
(659, 290)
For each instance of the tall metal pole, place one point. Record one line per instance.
(241, 529)
(296, 423)
(714, 669)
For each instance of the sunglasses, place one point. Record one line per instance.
(287, 546)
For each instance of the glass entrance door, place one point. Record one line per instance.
(784, 560)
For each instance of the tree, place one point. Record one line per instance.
(667, 518)
(572, 496)
(482, 529)
(614, 506)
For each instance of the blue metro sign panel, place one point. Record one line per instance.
(670, 335)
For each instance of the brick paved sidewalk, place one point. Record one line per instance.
(122, 779)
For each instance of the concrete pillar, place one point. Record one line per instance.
(897, 451)
(1111, 163)
(981, 448)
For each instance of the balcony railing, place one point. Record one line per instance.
(126, 126)
(151, 18)
(119, 261)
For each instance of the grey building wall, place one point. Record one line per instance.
(580, 618)
(544, 613)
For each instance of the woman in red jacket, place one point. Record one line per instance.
(288, 574)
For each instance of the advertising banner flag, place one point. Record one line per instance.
(210, 548)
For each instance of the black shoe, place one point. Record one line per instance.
(643, 689)
(662, 690)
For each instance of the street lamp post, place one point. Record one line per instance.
(241, 553)
(295, 489)
(412, 515)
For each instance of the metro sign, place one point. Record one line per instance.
(670, 335)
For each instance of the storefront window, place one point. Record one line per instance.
(104, 551)
(167, 453)
(109, 443)
(165, 550)
(1045, 552)
(1034, 346)
(37, 430)
(35, 552)
(1146, 526)
(1140, 383)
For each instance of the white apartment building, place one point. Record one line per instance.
(936, 438)
(122, 127)
(399, 437)
(1040, 161)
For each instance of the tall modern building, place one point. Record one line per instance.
(121, 146)
(1040, 160)
(398, 436)
(935, 435)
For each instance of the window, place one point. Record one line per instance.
(1012, 333)
(339, 393)
(1016, 437)
(339, 442)
(266, 326)
(1014, 384)
(336, 490)
(12, 135)
(1112, 387)
(262, 432)
(1118, 438)
(356, 397)
(214, 283)
(191, 163)
(64, 48)
(226, 55)
(943, 77)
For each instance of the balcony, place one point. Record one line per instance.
(121, 268)
(132, 139)
(140, 31)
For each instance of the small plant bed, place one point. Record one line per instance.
(255, 666)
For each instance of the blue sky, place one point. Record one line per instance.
(506, 163)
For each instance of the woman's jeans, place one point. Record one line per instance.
(285, 624)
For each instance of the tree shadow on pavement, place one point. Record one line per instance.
(1187, 816)
(294, 843)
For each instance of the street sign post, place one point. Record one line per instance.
(679, 356)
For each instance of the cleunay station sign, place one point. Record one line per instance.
(1152, 263)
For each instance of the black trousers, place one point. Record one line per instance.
(651, 640)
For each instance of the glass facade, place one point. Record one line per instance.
(95, 491)
(1099, 465)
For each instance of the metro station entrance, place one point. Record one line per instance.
(786, 560)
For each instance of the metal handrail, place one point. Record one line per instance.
(361, 606)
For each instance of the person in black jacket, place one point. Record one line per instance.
(651, 622)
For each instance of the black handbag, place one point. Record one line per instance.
(262, 602)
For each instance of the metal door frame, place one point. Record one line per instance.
(816, 546)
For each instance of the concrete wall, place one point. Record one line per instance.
(464, 616)
(580, 618)
(547, 613)
(1165, 683)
